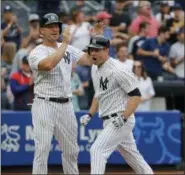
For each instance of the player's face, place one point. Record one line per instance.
(98, 56)
(50, 32)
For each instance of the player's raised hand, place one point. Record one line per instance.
(84, 120)
(66, 35)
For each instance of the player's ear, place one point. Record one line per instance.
(107, 50)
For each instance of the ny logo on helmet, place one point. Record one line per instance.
(94, 41)
(52, 18)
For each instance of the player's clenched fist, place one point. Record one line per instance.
(118, 121)
(66, 35)
(84, 120)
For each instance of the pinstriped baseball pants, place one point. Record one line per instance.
(122, 139)
(50, 118)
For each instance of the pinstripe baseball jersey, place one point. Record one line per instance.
(112, 82)
(54, 83)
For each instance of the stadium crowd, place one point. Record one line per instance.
(147, 41)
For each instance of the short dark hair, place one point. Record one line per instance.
(120, 46)
(25, 60)
(163, 29)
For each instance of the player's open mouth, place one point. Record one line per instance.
(94, 59)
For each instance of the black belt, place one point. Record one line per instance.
(57, 100)
(106, 117)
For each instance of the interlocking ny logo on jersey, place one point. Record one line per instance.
(67, 57)
(103, 84)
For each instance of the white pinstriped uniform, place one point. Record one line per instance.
(51, 118)
(113, 99)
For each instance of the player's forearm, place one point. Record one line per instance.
(132, 104)
(52, 60)
(94, 106)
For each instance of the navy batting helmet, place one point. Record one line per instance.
(99, 42)
(50, 18)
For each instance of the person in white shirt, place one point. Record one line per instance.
(116, 97)
(122, 55)
(145, 86)
(176, 55)
(76, 87)
(52, 110)
(80, 30)
(165, 13)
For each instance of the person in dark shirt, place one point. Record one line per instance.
(175, 23)
(120, 19)
(154, 53)
(11, 31)
(21, 83)
(136, 41)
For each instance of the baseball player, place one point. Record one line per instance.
(117, 96)
(52, 111)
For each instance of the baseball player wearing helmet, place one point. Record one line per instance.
(117, 96)
(52, 111)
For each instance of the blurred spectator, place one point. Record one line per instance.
(84, 73)
(145, 15)
(76, 87)
(9, 50)
(21, 84)
(175, 23)
(48, 6)
(10, 28)
(34, 33)
(80, 31)
(145, 86)
(115, 38)
(154, 52)
(176, 54)
(8, 53)
(165, 13)
(120, 20)
(82, 7)
(21, 53)
(4, 98)
(137, 40)
(122, 55)
(65, 18)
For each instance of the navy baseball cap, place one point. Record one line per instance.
(7, 8)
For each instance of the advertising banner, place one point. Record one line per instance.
(157, 134)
